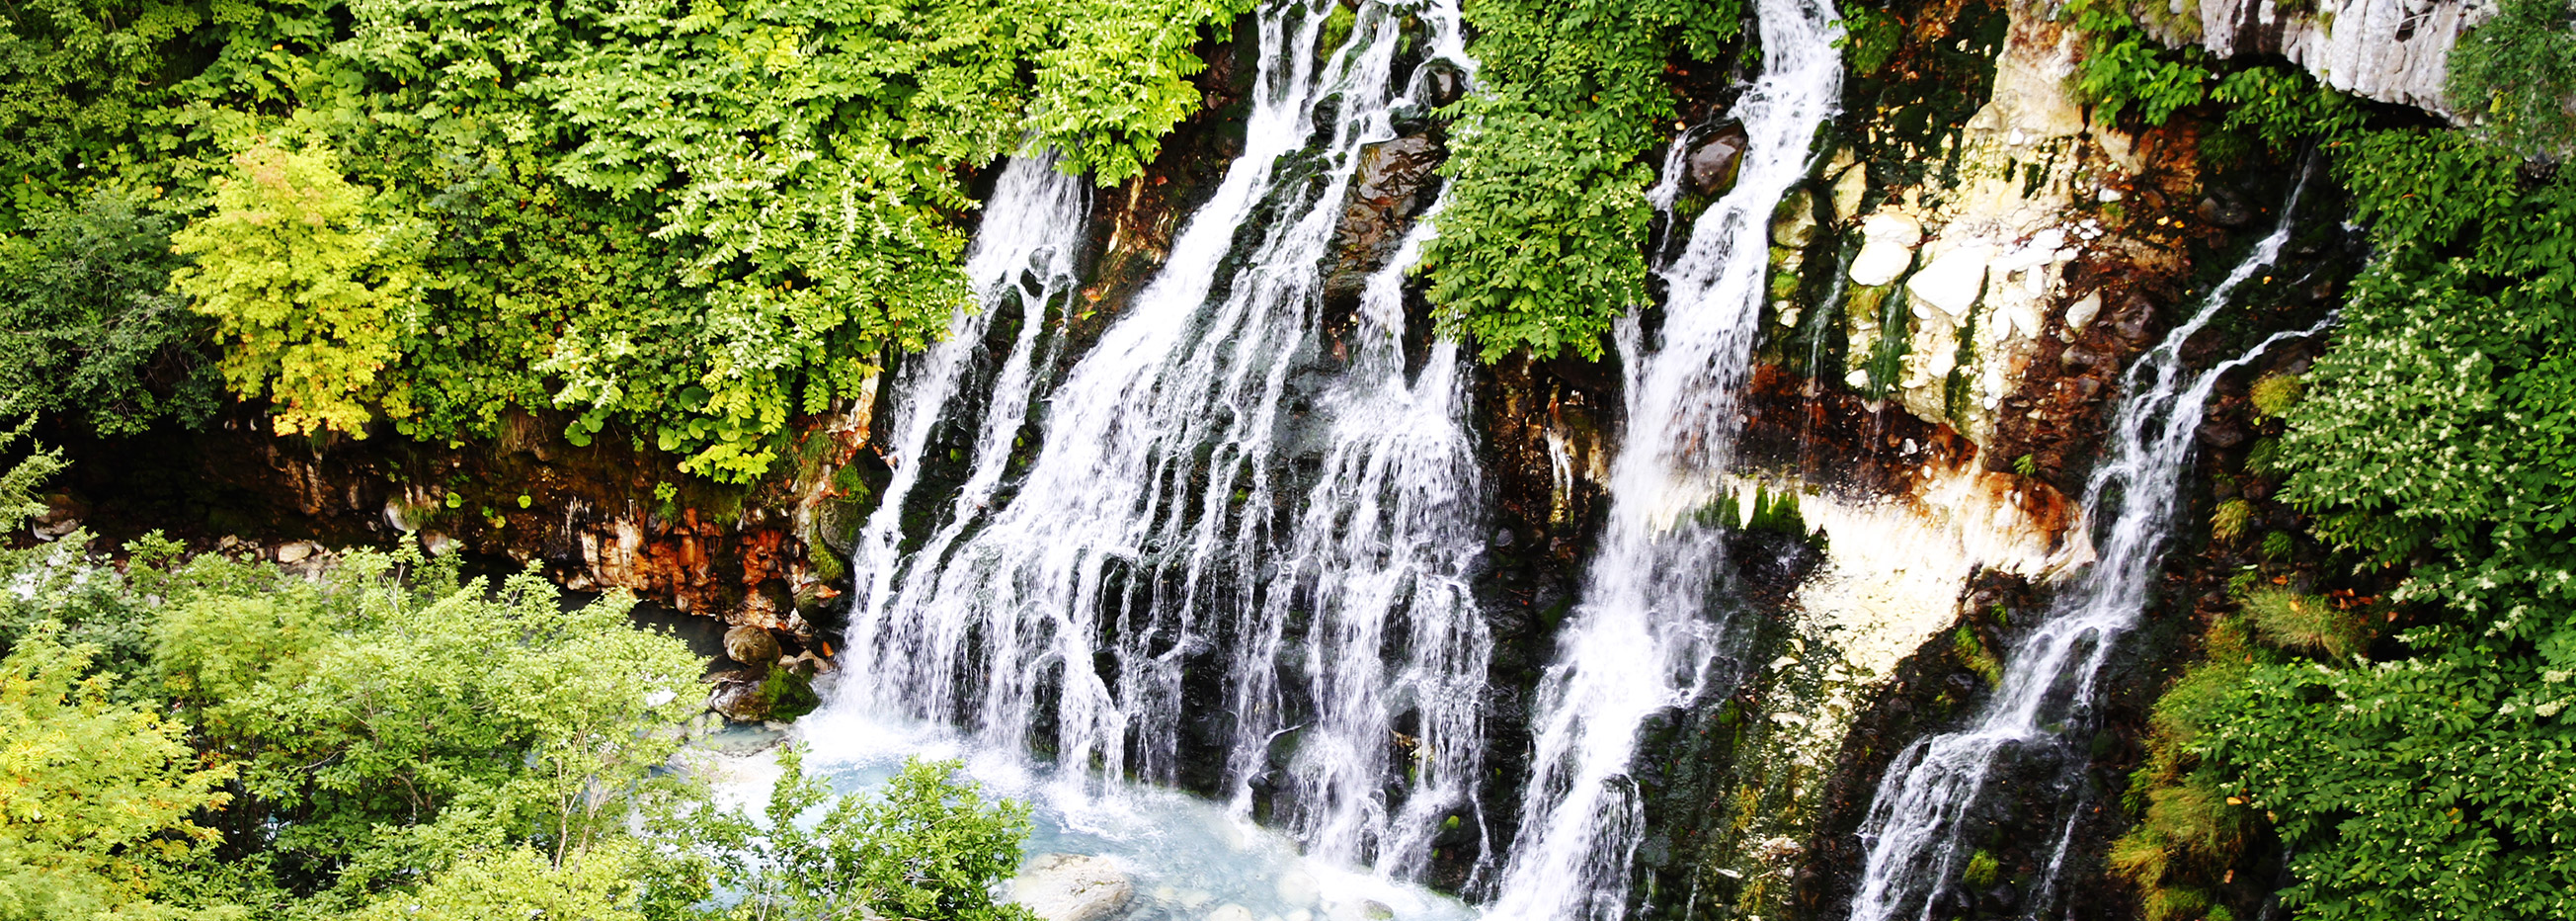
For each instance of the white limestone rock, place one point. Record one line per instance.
(2389, 50)
(1072, 887)
(1887, 247)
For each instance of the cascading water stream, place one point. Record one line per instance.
(1023, 260)
(1914, 825)
(1157, 570)
(1643, 640)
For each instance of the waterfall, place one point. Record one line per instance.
(1023, 261)
(1644, 637)
(2050, 679)
(1153, 585)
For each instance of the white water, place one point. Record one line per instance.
(1914, 825)
(1644, 639)
(1023, 259)
(1149, 557)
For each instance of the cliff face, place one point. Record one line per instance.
(2394, 51)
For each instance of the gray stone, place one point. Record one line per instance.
(1072, 887)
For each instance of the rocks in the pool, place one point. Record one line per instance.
(1072, 887)
(1297, 888)
(1375, 910)
(1230, 913)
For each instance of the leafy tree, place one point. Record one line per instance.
(394, 718)
(308, 287)
(95, 795)
(2517, 72)
(93, 327)
(926, 846)
(519, 882)
(1542, 239)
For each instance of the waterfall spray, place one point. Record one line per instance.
(1642, 639)
(1158, 588)
(2050, 680)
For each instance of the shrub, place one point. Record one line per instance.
(2307, 622)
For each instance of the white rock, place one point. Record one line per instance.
(1954, 279)
(1298, 888)
(295, 552)
(1072, 887)
(1887, 247)
(2084, 311)
(1230, 913)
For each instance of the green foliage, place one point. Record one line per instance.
(95, 795)
(689, 220)
(1542, 239)
(1872, 36)
(2291, 620)
(2026, 465)
(390, 741)
(18, 499)
(519, 882)
(2122, 72)
(2229, 520)
(2516, 72)
(93, 326)
(926, 846)
(1982, 869)
(392, 698)
(2433, 435)
(1972, 652)
(2274, 394)
(309, 288)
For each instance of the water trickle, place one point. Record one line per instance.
(2049, 688)
(1164, 586)
(1644, 638)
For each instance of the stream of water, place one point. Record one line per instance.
(1243, 539)
(1914, 829)
(1644, 636)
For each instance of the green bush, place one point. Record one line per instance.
(1542, 237)
(94, 329)
(2516, 74)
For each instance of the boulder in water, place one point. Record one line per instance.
(1230, 913)
(1714, 160)
(751, 646)
(1072, 887)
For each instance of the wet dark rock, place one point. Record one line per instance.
(2224, 209)
(2221, 433)
(1396, 181)
(1715, 157)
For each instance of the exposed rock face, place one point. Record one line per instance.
(2389, 50)
(1394, 184)
(1070, 887)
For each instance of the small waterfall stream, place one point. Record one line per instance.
(1913, 828)
(1644, 637)
(1160, 583)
